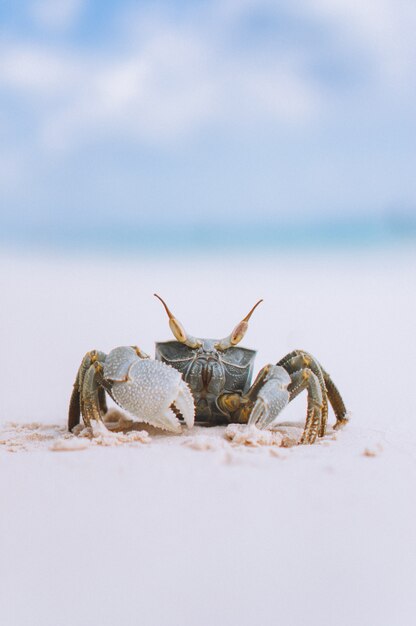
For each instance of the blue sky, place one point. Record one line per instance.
(132, 114)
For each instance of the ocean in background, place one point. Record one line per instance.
(130, 238)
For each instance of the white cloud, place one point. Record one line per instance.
(170, 81)
(381, 31)
(33, 69)
(56, 14)
(384, 30)
(173, 78)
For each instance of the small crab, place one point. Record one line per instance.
(207, 380)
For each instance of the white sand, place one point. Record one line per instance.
(195, 529)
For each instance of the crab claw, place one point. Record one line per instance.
(271, 399)
(150, 390)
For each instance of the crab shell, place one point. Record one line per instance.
(149, 389)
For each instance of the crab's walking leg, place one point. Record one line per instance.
(88, 396)
(299, 359)
(306, 379)
(336, 401)
(74, 413)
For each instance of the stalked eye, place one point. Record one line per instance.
(238, 333)
(178, 330)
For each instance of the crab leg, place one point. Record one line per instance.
(88, 395)
(298, 360)
(306, 379)
(336, 401)
(74, 413)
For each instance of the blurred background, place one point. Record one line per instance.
(163, 124)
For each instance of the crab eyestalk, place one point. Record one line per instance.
(178, 330)
(238, 333)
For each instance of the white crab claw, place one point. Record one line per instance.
(150, 390)
(272, 398)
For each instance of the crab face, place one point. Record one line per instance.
(208, 371)
(211, 367)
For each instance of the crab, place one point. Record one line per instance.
(203, 380)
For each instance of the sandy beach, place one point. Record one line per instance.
(193, 529)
